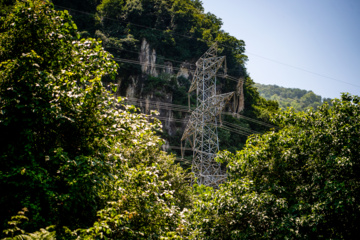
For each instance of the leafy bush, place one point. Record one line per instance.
(69, 151)
(301, 182)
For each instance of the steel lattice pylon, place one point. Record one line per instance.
(201, 129)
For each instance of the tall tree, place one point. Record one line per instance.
(52, 107)
(69, 152)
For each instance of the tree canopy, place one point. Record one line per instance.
(298, 99)
(301, 182)
(180, 31)
(70, 153)
(75, 163)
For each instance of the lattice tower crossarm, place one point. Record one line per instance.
(201, 130)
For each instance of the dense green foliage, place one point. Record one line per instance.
(177, 29)
(49, 122)
(298, 99)
(69, 151)
(180, 31)
(301, 182)
(5, 6)
(77, 164)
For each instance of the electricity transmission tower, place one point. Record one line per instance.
(201, 130)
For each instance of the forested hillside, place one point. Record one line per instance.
(156, 44)
(298, 99)
(77, 161)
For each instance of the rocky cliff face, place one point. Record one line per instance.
(141, 90)
(133, 88)
(147, 59)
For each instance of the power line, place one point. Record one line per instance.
(224, 45)
(302, 69)
(239, 127)
(157, 65)
(134, 24)
(251, 119)
(184, 108)
(161, 57)
(179, 148)
(176, 107)
(151, 28)
(173, 107)
(235, 129)
(158, 103)
(130, 61)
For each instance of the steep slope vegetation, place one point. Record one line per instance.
(156, 44)
(298, 99)
(77, 164)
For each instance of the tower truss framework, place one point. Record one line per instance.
(201, 130)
